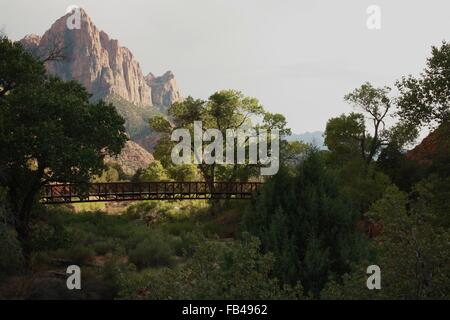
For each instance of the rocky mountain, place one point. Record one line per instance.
(93, 59)
(110, 72)
(107, 70)
(164, 90)
(132, 158)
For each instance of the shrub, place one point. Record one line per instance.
(78, 254)
(235, 270)
(105, 246)
(154, 251)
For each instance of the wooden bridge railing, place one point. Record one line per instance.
(131, 191)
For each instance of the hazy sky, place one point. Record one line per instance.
(297, 57)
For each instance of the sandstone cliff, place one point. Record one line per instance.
(164, 90)
(92, 58)
(108, 71)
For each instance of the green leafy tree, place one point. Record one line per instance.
(307, 223)
(49, 131)
(110, 174)
(350, 136)
(227, 109)
(344, 137)
(425, 100)
(357, 140)
(183, 172)
(154, 172)
(413, 252)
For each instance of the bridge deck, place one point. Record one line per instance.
(131, 191)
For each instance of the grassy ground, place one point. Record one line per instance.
(143, 238)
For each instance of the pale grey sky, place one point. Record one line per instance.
(297, 57)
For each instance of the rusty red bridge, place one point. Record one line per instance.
(55, 193)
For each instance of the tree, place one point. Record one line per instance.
(154, 172)
(413, 251)
(307, 223)
(426, 99)
(49, 131)
(227, 109)
(110, 174)
(344, 137)
(183, 172)
(357, 140)
(348, 136)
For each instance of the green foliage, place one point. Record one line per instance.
(226, 109)
(154, 172)
(235, 270)
(292, 152)
(154, 251)
(310, 226)
(412, 251)
(70, 133)
(402, 172)
(49, 131)
(425, 100)
(110, 174)
(78, 254)
(362, 183)
(18, 68)
(349, 137)
(343, 136)
(183, 172)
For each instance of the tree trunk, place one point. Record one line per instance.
(24, 236)
(22, 211)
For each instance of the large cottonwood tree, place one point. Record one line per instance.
(49, 131)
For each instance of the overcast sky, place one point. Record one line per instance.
(297, 57)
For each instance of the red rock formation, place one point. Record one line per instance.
(164, 90)
(108, 71)
(92, 58)
(424, 151)
(132, 158)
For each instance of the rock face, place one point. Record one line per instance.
(132, 158)
(92, 58)
(164, 90)
(31, 42)
(435, 146)
(108, 71)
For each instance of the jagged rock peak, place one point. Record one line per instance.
(164, 89)
(92, 58)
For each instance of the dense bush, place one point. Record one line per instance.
(153, 251)
(309, 227)
(235, 270)
(413, 252)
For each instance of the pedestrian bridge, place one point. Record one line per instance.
(54, 193)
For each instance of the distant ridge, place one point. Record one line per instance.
(315, 138)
